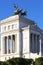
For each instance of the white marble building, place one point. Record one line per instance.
(20, 37)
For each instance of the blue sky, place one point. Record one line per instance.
(34, 9)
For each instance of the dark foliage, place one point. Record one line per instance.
(1, 63)
(17, 61)
(39, 61)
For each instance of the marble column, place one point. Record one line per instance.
(29, 41)
(19, 43)
(40, 45)
(15, 43)
(11, 45)
(36, 43)
(7, 44)
(33, 42)
(3, 45)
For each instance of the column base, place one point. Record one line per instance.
(26, 55)
(40, 54)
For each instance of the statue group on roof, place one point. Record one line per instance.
(19, 11)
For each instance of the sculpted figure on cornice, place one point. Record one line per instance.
(19, 11)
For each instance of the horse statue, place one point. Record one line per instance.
(19, 11)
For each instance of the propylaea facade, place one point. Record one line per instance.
(20, 37)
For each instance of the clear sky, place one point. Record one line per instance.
(34, 9)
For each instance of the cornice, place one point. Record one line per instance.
(26, 28)
(17, 17)
(10, 19)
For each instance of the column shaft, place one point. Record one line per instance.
(2, 45)
(40, 45)
(7, 45)
(29, 42)
(11, 45)
(33, 42)
(36, 43)
(19, 43)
